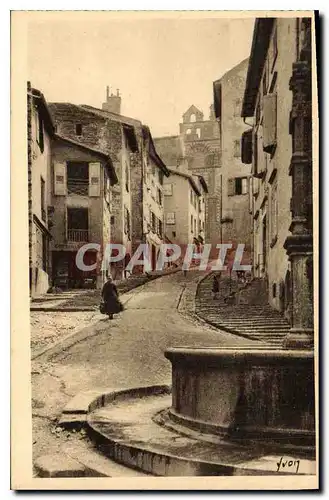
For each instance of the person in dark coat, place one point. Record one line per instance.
(110, 297)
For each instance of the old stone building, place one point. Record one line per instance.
(235, 177)
(81, 212)
(115, 136)
(278, 106)
(184, 202)
(151, 204)
(198, 145)
(40, 130)
(136, 211)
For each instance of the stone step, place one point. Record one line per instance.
(128, 433)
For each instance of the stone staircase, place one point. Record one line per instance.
(241, 309)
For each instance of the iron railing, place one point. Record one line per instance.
(78, 235)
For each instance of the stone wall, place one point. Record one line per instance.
(236, 218)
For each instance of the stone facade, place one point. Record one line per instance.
(81, 211)
(40, 130)
(235, 178)
(279, 100)
(106, 132)
(131, 148)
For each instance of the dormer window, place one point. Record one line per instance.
(78, 129)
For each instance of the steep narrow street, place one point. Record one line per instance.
(125, 352)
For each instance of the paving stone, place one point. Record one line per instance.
(58, 465)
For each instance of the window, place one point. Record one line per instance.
(77, 224)
(43, 199)
(39, 130)
(198, 132)
(192, 117)
(160, 177)
(78, 129)
(188, 131)
(246, 147)
(191, 223)
(173, 233)
(77, 178)
(237, 148)
(237, 186)
(112, 220)
(194, 226)
(170, 218)
(191, 196)
(167, 189)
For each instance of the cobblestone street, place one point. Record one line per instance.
(125, 352)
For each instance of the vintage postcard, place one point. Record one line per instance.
(165, 221)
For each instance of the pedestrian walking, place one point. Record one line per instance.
(215, 287)
(111, 303)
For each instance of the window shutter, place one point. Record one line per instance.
(269, 122)
(231, 187)
(255, 154)
(60, 179)
(246, 147)
(94, 179)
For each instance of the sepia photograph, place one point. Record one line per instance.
(165, 217)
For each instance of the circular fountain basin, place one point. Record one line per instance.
(258, 394)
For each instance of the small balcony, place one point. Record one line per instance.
(78, 186)
(78, 235)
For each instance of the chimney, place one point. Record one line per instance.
(113, 102)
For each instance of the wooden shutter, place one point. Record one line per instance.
(255, 153)
(94, 179)
(60, 179)
(246, 147)
(269, 122)
(231, 187)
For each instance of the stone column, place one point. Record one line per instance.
(299, 245)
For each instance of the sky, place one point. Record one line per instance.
(161, 65)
